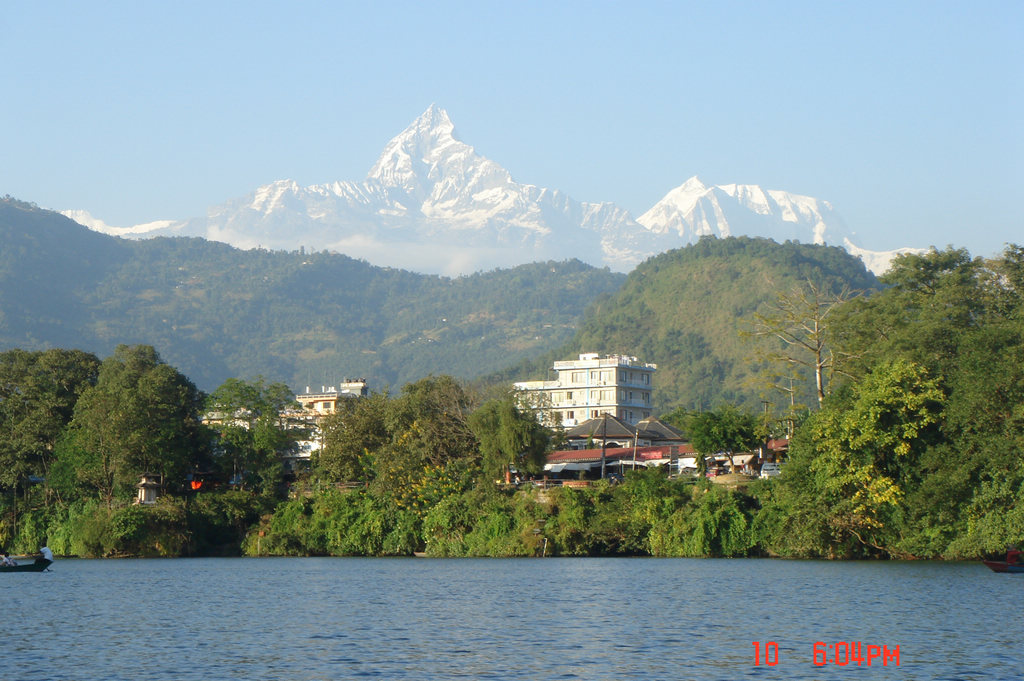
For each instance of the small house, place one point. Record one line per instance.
(149, 490)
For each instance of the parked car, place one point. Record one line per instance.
(770, 470)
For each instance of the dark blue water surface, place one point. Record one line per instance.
(554, 618)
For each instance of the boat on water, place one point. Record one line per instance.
(41, 562)
(38, 565)
(1012, 563)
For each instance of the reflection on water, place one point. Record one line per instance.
(564, 618)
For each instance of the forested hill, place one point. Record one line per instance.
(685, 309)
(215, 312)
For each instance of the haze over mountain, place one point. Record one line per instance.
(306, 319)
(432, 204)
(310, 319)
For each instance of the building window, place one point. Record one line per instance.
(579, 376)
(568, 395)
(569, 415)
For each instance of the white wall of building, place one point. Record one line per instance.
(592, 385)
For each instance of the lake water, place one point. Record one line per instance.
(555, 618)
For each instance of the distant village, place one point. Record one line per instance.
(603, 406)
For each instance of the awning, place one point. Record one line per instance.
(559, 467)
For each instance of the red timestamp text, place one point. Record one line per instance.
(841, 653)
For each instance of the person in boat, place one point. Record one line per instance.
(46, 553)
(7, 561)
(1013, 555)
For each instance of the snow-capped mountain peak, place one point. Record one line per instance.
(269, 197)
(694, 185)
(162, 227)
(693, 210)
(430, 203)
(430, 138)
(677, 202)
(427, 166)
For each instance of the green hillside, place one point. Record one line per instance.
(217, 312)
(684, 310)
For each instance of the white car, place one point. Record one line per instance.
(770, 470)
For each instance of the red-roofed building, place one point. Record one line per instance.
(569, 463)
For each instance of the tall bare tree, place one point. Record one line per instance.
(799, 321)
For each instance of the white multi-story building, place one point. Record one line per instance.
(593, 385)
(317, 405)
(326, 401)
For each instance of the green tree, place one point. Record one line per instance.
(350, 437)
(727, 430)
(854, 460)
(509, 438)
(251, 418)
(959, 319)
(932, 300)
(38, 393)
(430, 416)
(428, 438)
(716, 525)
(142, 416)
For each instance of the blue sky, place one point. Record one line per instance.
(908, 116)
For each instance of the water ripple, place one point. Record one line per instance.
(593, 619)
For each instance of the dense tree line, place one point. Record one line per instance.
(915, 450)
(419, 471)
(920, 450)
(80, 433)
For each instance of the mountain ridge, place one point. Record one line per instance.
(430, 203)
(304, 318)
(217, 312)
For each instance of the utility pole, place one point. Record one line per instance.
(604, 441)
(636, 438)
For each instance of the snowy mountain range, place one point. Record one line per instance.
(431, 204)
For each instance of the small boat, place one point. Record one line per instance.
(1012, 563)
(38, 565)
(1003, 566)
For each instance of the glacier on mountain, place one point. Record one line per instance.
(431, 204)
(693, 210)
